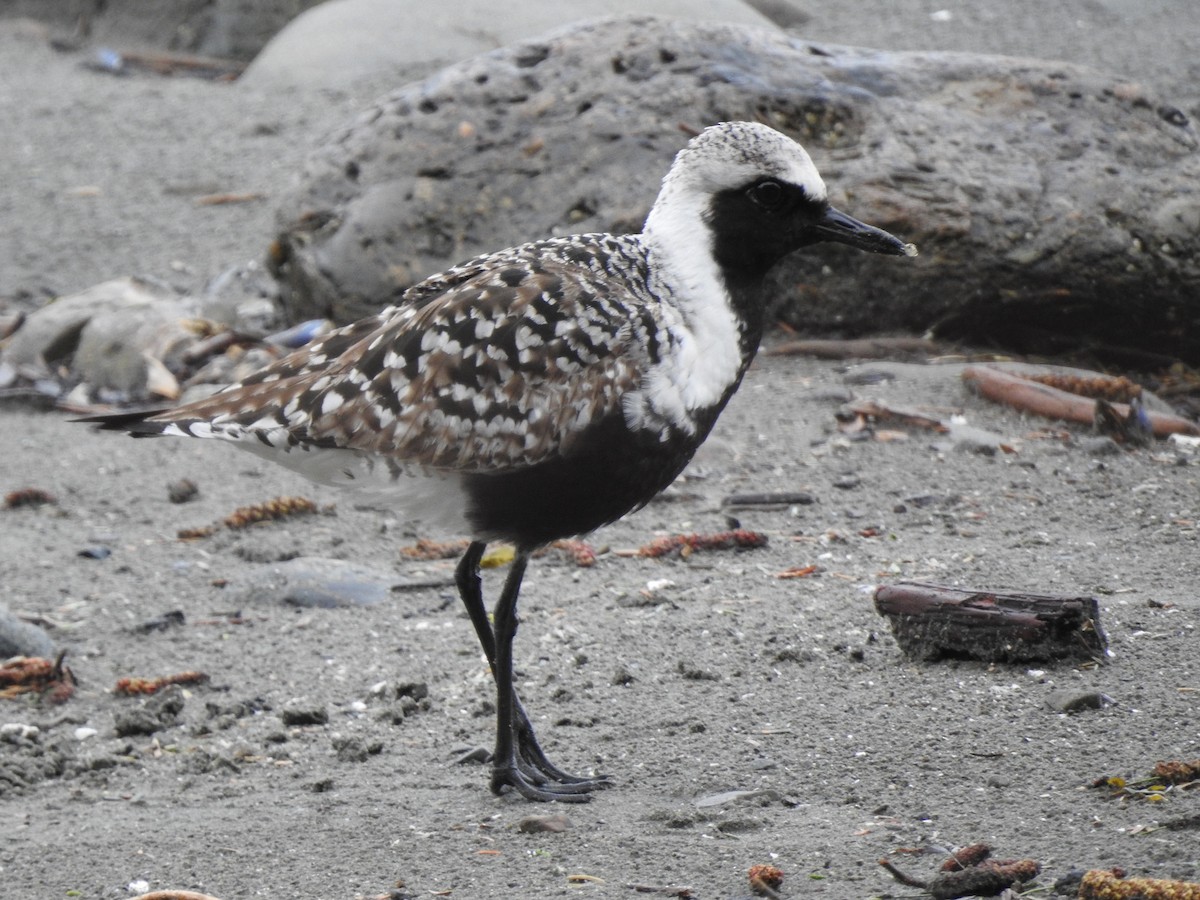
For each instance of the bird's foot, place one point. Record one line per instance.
(532, 760)
(532, 784)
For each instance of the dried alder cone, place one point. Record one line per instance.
(765, 877)
(133, 686)
(245, 516)
(1167, 776)
(1103, 884)
(29, 674)
(279, 508)
(30, 496)
(971, 872)
(686, 544)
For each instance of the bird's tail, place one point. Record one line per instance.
(131, 421)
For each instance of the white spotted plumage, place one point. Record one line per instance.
(546, 390)
(505, 361)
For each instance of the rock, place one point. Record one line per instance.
(317, 581)
(304, 712)
(350, 749)
(19, 638)
(158, 712)
(555, 823)
(760, 796)
(342, 42)
(225, 28)
(1073, 701)
(1045, 197)
(52, 333)
(183, 490)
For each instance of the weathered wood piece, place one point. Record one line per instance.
(1044, 400)
(932, 621)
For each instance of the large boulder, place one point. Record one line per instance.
(1053, 206)
(341, 43)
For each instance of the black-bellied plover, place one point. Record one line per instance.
(543, 391)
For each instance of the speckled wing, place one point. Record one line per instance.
(501, 367)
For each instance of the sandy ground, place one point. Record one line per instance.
(682, 679)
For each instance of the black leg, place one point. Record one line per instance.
(519, 761)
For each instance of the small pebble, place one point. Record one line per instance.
(182, 491)
(301, 713)
(1078, 701)
(552, 824)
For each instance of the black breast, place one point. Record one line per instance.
(610, 471)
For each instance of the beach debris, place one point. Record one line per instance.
(27, 497)
(196, 533)
(269, 511)
(133, 686)
(1048, 398)
(1112, 884)
(579, 552)
(256, 514)
(425, 549)
(108, 61)
(1166, 778)
(1132, 428)
(971, 872)
(684, 545)
(37, 674)
(765, 880)
(683, 893)
(931, 621)
(135, 340)
(862, 414)
(769, 499)
(227, 198)
(162, 622)
(799, 571)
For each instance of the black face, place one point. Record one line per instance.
(757, 225)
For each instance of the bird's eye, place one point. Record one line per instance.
(768, 193)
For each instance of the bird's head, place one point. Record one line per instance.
(756, 196)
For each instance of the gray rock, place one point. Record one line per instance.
(52, 333)
(228, 28)
(19, 638)
(317, 582)
(1073, 701)
(342, 42)
(158, 712)
(1048, 200)
(304, 712)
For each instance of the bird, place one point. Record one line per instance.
(542, 391)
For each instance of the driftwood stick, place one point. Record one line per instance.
(1052, 403)
(931, 621)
